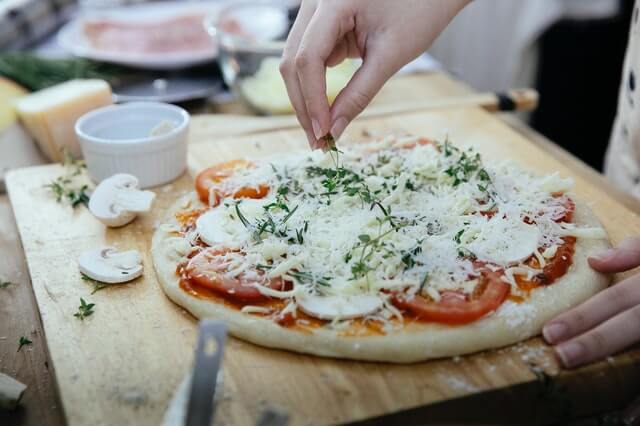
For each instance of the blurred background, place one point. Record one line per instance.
(571, 51)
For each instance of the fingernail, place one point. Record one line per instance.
(312, 140)
(604, 256)
(554, 332)
(569, 353)
(338, 127)
(316, 128)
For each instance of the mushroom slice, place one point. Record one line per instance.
(215, 227)
(108, 265)
(116, 200)
(338, 307)
(520, 242)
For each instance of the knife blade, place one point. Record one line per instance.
(211, 340)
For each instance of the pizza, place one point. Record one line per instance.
(399, 249)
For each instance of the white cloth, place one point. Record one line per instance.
(622, 162)
(491, 43)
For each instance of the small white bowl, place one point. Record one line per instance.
(122, 139)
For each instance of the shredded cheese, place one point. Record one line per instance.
(380, 217)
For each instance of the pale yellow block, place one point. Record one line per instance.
(50, 114)
(9, 91)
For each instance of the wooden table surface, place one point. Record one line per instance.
(19, 315)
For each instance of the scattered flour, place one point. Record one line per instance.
(517, 314)
(459, 384)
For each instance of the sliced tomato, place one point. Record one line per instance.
(569, 209)
(260, 191)
(214, 176)
(557, 266)
(421, 141)
(207, 269)
(455, 307)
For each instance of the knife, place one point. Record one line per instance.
(211, 339)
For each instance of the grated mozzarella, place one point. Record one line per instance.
(427, 214)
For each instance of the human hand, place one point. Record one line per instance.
(607, 322)
(385, 34)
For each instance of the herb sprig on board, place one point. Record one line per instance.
(97, 286)
(66, 188)
(84, 310)
(22, 342)
(5, 284)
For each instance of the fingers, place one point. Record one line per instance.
(288, 70)
(606, 339)
(621, 258)
(322, 36)
(339, 54)
(359, 92)
(594, 311)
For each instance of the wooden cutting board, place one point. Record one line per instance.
(121, 365)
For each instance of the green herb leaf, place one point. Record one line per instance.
(306, 277)
(423, 282)
(288, 216)
(65, 187)
(97, 286)
(263, 267)
(364, 238)
(23, 341)
(84, 310)
(242, 218)
(408, 261)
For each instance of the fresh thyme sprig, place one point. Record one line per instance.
(64, 187)
(466, 166)
(300, 233)
(423, 282)
(330, 142)
(266, 223)
(301, 276)
(97, 286)
(408, 256)
(23, 341)
(5, 284)
(368, 247)
(84, 310)
(305, 277)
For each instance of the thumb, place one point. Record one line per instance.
(621, 258)
(359, 92)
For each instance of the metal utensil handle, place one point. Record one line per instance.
(211, 340)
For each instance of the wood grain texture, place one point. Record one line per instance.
(121, 365)
(19, 317)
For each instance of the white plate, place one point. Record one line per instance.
(72, 37)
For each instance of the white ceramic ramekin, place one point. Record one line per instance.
(121, 139)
